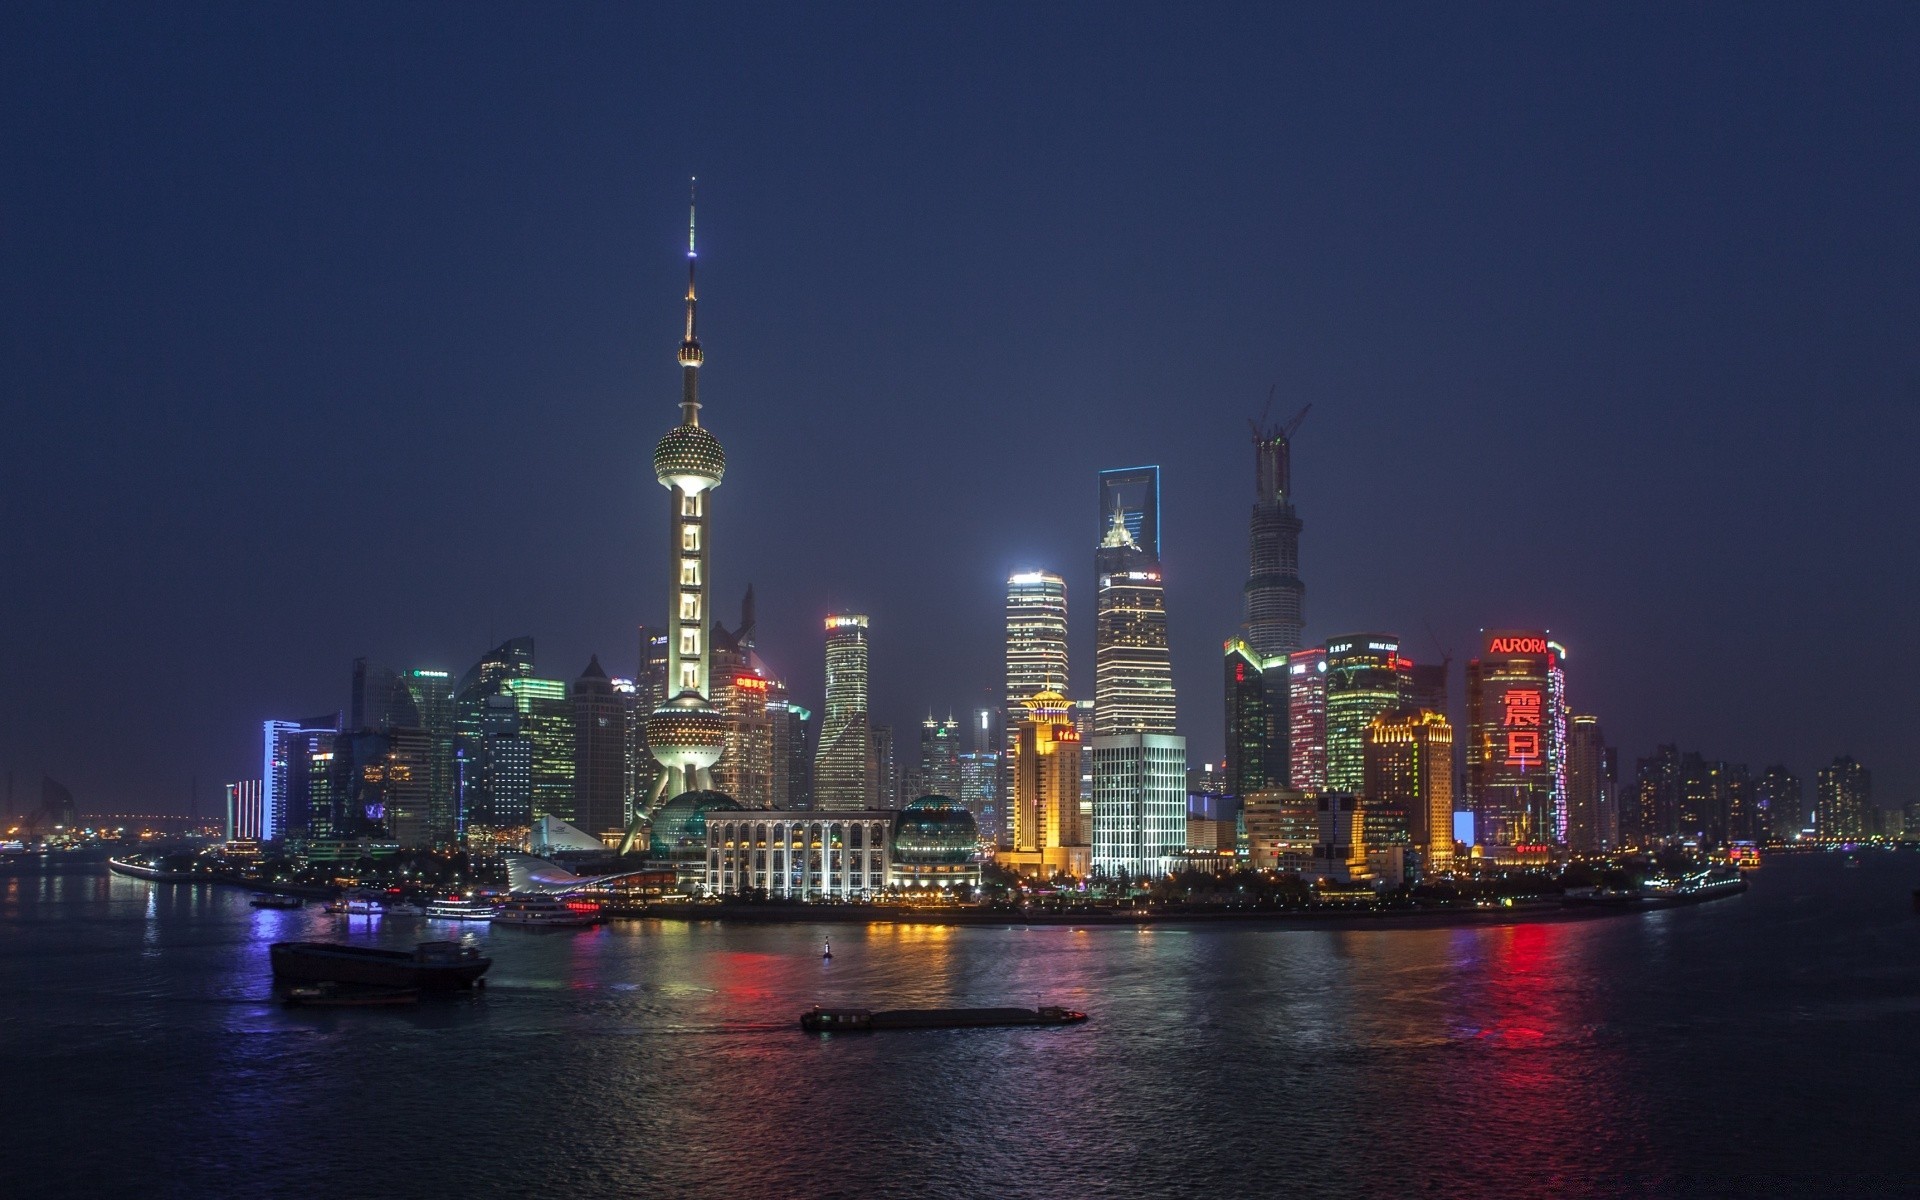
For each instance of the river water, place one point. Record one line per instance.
(1767, 1044)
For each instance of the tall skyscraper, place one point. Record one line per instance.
(1655, 810)
(1778, 793)
(792, 759)
(940, 758)
(1276, 599)
(685, 735)
(1257, 735)
(843, 766)
(1139, 803)
(1047, 835)
(477, 718)
(1133, 675)
(1036, 649)
(431, 695)
(1843, 800)
(1517, 741)
(980, 780)
(285, 756)
(1593, 824)
(1363, 680)
(545, 714)
(1409, 768)
(1307, 720)
(884, 767)
(599, 755)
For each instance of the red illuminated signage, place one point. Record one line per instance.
(1520, 716)
(752, 683)
(1516, 645)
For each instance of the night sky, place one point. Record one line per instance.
(348, 330)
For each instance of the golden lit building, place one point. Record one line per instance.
(1408, 756)
(1049, 834)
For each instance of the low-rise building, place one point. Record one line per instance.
(799, 856)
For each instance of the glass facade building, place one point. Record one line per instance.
(1517, 740)
(1139, 804)
(1307, 720)
(844, 777)
(1363, 680)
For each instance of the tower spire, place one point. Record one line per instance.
(690, 355)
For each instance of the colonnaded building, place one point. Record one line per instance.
(841, 855)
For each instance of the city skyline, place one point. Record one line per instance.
(156, 478)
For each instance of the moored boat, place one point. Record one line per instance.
(547, 912)
(430, 966)
(277, 902)
(459, 908)
(862, 1020)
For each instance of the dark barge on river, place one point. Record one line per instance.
(864, 1020)
(430, 966)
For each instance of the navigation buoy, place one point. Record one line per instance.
(826, 951)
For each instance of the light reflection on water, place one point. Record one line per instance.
(1696, 1052)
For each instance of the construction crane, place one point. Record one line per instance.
(1262, 433)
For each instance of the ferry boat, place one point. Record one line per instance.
(355, 904)
(459, 908)
(430, 966)
(271, 901)
(547, 912)
(862, 1020)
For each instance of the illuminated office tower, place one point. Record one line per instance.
(431, 694)
(1779, 795)
(1307, 720)
(1843, 800)
(1655, 811)
(884, 767)
(980, 780)
(1257, 735)
(1409, 767)
(243, 811)
(1133, 676)
(1047, 835)
(685, 735)
(792, 770)
(633, 748)
(745, 770)
(1276, 599)
(1036, 654)
(599, 755)
(1363, 680)
(939, 758)
(1517, 740)
(284, 758)
(545, 714)
(843, 763)
(474, 721)
(1139, 803)
(1593, 814)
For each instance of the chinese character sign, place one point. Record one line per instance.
(1520, 717)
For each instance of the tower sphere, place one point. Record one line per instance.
(690, 459)
(684, 731)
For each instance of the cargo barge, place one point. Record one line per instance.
(863, 1020)
(430, 966)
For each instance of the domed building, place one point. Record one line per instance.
(935, 840)
(680, 827)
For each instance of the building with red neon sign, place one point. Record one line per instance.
(1517, 740)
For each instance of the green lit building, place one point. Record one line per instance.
(1364, 680)
(545, 711)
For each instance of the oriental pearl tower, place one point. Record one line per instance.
(685, 735)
